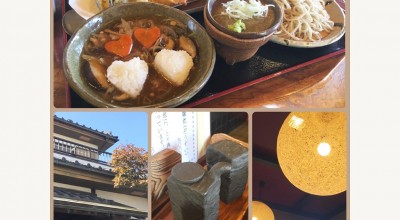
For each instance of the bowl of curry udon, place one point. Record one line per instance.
(139, 55)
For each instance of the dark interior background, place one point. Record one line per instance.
(225, 122)
(271, 186)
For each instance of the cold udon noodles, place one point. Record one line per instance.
(304, 20)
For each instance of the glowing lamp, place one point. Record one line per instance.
(261, 211)
(311, 151)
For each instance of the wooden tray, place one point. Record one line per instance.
(270, 61)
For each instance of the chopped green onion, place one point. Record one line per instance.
(238, 26)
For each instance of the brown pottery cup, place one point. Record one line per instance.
(233, 48)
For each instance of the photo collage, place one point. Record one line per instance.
(199, 110)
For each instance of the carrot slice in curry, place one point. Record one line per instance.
(121, 47)
(147, 36)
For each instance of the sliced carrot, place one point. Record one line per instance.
(147, 36)
(121, 47)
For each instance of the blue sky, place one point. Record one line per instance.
(130, 127)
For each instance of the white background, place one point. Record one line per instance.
(25, 109)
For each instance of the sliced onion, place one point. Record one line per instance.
(241, 9)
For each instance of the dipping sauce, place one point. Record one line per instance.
(256, 24)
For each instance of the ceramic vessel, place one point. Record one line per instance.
(72, 62)
(275, 9)
(234, 182)
(194, 192)
(233, 48)
(336, 14)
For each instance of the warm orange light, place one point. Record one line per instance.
(296, 122)
(313, 158)
(261, 211)
(324, 149)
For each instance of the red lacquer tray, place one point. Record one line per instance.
(270, 61)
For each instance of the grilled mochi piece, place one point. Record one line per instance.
(128, 76)
(173, 65)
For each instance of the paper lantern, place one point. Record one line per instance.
(311, 150)
(261, 211)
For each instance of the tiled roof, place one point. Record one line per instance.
(82, 126)
(83, 201)
(78, 165)
(140, 191)
(83, 196)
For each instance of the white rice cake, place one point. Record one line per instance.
(129, 76)
(173, 65)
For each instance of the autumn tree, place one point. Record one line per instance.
(130, 166)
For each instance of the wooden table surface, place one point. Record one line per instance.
(233, 211)
(319, 85)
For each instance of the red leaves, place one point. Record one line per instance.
(130, 166)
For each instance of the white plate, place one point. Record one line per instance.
(337, 16)
(84, 8)
(88, 8)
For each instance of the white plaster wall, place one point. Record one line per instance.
(137, 202)
(67, 186)
(81, 161)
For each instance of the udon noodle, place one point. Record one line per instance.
(304, 20)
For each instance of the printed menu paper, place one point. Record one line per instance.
(185, 132)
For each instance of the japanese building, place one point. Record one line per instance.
(83, 186)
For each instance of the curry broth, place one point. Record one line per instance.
(156, 88)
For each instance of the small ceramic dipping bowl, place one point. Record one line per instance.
(235, 47)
